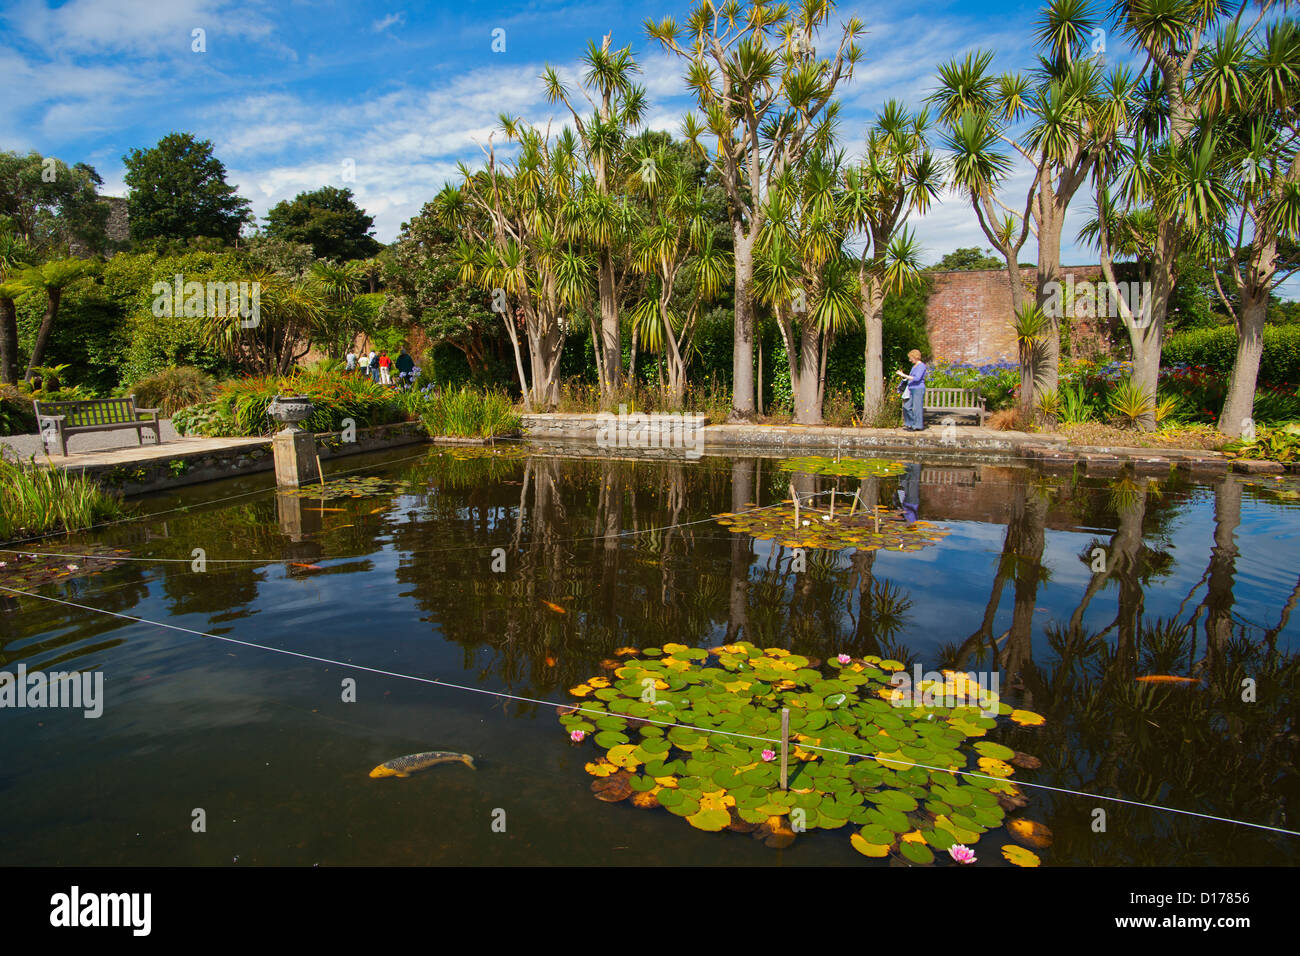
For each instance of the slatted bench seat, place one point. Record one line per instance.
(58, 420)
(963, 401)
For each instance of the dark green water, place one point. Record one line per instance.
(1202, 582)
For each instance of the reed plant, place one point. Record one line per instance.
(36, 500)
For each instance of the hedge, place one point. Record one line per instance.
(1216, 349)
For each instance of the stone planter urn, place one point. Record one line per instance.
(289, 410)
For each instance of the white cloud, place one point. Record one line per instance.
(393, 19)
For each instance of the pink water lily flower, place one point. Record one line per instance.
(844, 658)
(769, 755)
(962, 854)
(578, 736)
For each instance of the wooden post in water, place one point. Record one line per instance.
(785, 745)
(854, 507)
(795, 495)
(832, 503)
(320, 472)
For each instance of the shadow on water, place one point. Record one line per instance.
(520, 573)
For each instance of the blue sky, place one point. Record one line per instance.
(289, 92)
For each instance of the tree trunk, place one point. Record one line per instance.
(1239, 405)
(1221, 572)
(1048, 375)
(8, 342)
(807, 387)
(47, 326)
(742, 351)
(873, 381)
(610, 343)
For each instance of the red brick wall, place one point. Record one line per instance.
(968, 316)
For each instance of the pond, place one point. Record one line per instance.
(505, 579)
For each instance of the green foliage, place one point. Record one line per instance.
(1270, 444)
(16, 414)
(328, 220)
(35, 500)
(465, 413)
(1216, 349)
(179, 190)
(49, 211)
(1129, 402)
(171, 389)
(968, 258)
(240, 405)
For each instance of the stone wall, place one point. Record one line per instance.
(160, 474)
(968, 316)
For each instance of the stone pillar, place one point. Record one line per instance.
(295, 457)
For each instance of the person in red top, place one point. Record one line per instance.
(385, 365)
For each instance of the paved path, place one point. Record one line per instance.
(119, 447)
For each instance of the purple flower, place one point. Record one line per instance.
(962, 854)
(769, 755)
(844, 658)
(578, 736)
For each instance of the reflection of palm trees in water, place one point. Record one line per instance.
(1183, 745)
(1021, 562)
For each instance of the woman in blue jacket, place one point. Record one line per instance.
(914, 400)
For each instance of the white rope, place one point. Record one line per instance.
(579, 709)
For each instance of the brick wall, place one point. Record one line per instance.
(968, 316)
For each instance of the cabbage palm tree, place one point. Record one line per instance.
(677, 241)
(1056, 121)
(767, 99)
(518, 244)
(897, 176)
(803, 275)
(603, 218)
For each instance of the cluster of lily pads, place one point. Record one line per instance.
(697, 732)
(503, 451)
(31, 569)
(843, 467)
(353, 486)
(867, 529)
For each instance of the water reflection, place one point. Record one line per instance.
(535, 569)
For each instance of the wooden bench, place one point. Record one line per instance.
(58, 420)
(963, 401)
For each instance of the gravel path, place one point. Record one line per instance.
(27, 445)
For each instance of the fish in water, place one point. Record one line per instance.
(413, 763)
(554, 607)
(1166, 679)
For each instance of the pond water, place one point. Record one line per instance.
(1199, 581)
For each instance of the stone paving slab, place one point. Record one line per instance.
(137, 454)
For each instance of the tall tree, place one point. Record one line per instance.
(896, 177)
(518, 243)
(767, 99)
(676, 240)
(617, 106)
(15, 257)
(1057, 120)
(50, 204)
(1250, 85)
(803, 275)
(327, 219)
(179, 190)
(1162, 165)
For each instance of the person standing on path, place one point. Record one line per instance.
(914, 403)
(350, 361)
(385, 364)
(405, 366)
(374, 366)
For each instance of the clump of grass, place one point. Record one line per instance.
(171, 389)
(37, 500)
(467, 413)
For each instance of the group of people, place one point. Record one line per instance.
(383, 369)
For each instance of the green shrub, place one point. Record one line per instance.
(240, 405)
(1216, 350)
(16, 414)
(172, 389)
(1270, 444)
